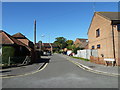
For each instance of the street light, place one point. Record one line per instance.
(49, 43)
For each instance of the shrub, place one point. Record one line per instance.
(7, 51)
(75, 50)
(81, 58)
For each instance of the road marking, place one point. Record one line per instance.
(89, 69)
(10, 76)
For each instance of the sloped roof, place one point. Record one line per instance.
(110, 15)
(83, 44)
(19, 35)
(48, 44)
(8, 39)
(81, 39)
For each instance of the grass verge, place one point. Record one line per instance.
(80, 58)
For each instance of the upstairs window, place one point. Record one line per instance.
(93, 47)
(97, 32)
(118, 27)
(98, 46)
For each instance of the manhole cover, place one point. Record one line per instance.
(92, 66)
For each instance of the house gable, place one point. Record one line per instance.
(9, 40)
(101, 23)
(81, 42)
(22, 38)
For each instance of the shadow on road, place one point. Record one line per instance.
(5, 71)
(43, 60)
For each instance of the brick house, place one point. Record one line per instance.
(27, 42)
(48, 46)
(82, 43)
(104, 35)
(21, 49)
(22, 46)
(23, 39)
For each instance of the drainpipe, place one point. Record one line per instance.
(113, 44)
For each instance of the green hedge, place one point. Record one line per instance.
(7, 51)
(80, 58)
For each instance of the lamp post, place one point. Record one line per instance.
(50, 46)
(41, 42)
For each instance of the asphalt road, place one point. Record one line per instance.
(61, 73)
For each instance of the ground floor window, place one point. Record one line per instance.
(98, 46)
(93, 47)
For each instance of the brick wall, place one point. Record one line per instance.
(97, 60)
(100, 60)
(105, 39)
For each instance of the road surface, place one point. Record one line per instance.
(60, 73)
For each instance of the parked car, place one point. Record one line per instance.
(71, 54)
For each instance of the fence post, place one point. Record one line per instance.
(9, 61)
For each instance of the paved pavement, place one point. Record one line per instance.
(61, 73)
(110, 70)
(24, 69)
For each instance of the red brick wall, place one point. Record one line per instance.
(118, 62)
(100, 60)
(97, 60)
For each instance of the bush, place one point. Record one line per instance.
(7, 51)
(75, 50)
(81, 58)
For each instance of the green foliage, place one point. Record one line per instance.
(75, 50)
(60, 39)
(60, 42)
(40, 42)
(69, 42)
(81, 58)
(71, 47)
(7, 51)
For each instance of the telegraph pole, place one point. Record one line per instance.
(34, 31)
(35, 56)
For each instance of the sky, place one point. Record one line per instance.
(54, 19)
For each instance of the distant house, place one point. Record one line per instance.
(104, 35)
(82, 43)
(48, 46)
(21, 49)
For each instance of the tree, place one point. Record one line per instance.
(71, 47)
(75, 50)
(60, 42)
(40, 42)
(69, 42)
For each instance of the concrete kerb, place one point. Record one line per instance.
(90, 69)
(97, 71)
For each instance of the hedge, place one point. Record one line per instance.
(7, 51)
